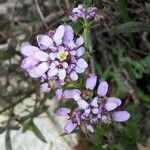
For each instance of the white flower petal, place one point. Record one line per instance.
(41, 69)
(41, 56)
(44, 41)
(62, 74)
(82, 104)
(59, 33)
(52, 72)
(82, 63)
(52, 56)
(79, 41)
(74, 76)
(29, 50)
(79, 70)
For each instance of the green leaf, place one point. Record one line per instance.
(121, 88)
(87, 2)
(30, 125)
(132, 27)
(146, 63)
(5, 55)
(122, 5)
(77, 26)
(38, 133)
(142, 96)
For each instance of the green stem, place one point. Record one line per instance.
(87, 42)
(86, 34)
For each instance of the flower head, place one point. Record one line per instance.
(83, 12)
(57, 57)
(93, 109)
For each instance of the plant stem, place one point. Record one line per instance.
(88, 44)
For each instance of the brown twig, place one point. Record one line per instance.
(40, 13)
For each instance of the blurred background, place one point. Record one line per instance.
(121, 44)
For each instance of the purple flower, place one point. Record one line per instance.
(120, 116)
(70, 126)
(59, 94)
(102, 88)
(91, 111)
(44, 88)
(91, 81)
(83, 12)
(58, 56)
(63, 111)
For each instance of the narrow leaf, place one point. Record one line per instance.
(132, 27)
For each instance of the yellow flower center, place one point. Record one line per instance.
(62, 56)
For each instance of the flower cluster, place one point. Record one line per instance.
(57, 57)
(92, 109)
(58, 60)
(83, 12)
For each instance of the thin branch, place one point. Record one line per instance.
(67, 4)
(17, 102)
(7, 137)
(13, 14)
(40, 13)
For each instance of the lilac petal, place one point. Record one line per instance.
(102, 88)
(63, 111)
(68, 94)
(65, 65)
(73, 18)
(74, 10)
(75, 91)
(82, 63)
(28, 62)
(52, 72)
(80, 51)
(82, 104)
(70, 126)
(77, 96)
(73, 53)
(29, 50)
(52, 56)
(95, 110)
(44, 41)
(87, 111)
(114, 100)
(71, 45)
(94, 102)
(78, 118)
(44, 88)
(110, 106)
(59, 94)
(91, 81)
(32, 73)
(59, 33)
(120, 116)
(79, 41)
(41, 69)
(68, 35)
(52, 65)
(79, 70)
(90, 128)
(41, 56)
(51, 33)
(74, 76)
(62, 74)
